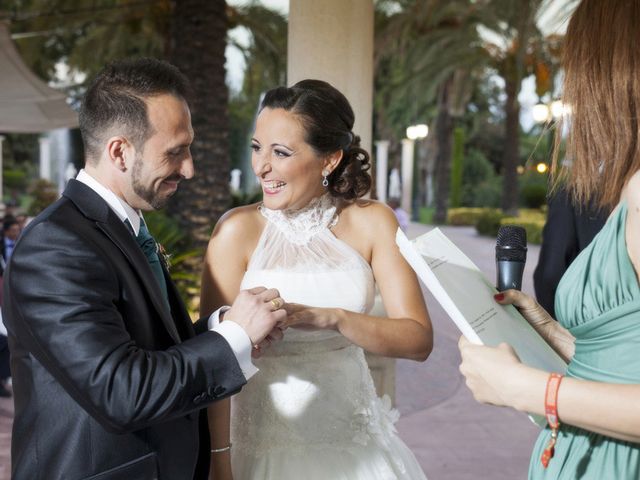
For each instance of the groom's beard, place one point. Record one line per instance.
(147, 193)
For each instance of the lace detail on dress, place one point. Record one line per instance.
(311, 411)
(299, 226)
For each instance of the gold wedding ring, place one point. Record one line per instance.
(276, 303)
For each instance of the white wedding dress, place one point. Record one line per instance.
(311, 412)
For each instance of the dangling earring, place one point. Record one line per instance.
(325, 174)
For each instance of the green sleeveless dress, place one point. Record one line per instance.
(598, 301)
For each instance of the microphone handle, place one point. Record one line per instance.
(509, 275)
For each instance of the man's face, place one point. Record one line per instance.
(165, 158)
(13, 232)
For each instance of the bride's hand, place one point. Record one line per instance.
(310, 318)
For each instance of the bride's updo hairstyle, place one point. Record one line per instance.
(328, 120)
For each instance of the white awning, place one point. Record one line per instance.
(27, 104)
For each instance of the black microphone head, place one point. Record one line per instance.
(511, 244)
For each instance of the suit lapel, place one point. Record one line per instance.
(96, 209)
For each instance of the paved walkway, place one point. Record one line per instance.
(6, 414)
(453, 437)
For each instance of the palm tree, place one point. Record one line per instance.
(510, 32)
(84, 37)
(199, 39)
(430, 47)
(198, 42)
(190, 33)
(517, 47)
(429, 40)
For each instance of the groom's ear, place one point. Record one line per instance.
(118, 150)
(332, 160)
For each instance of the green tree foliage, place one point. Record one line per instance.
(430, 39)
(192, 33)
(481, 186)
(86, 36)
(43, 194)
(178, 249)
(422, 83)
(266, 61)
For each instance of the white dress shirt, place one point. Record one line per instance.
(233, 333)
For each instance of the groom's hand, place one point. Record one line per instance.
(276, 334)
(257, 311)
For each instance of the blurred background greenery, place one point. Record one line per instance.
(458, 66)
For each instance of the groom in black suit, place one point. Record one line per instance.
(110, 378)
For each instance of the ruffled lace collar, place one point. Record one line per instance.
(300, 226)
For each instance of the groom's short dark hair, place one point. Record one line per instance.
(116, 99)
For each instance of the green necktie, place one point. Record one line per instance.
(150, 249)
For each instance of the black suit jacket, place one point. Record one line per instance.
(566, 233)
(108, 383)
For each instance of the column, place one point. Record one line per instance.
(45, 158)
(407, 174)
(382, 162)
(332, 40)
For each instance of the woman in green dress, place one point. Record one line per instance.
(597, 403)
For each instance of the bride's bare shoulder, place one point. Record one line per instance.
(239, 224)
(366, 214)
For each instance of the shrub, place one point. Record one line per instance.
(534, 229)
(481, 186)
(532, 221)
(489, 223)
(488, 193)
(425, 215)
(534, 195)
(176, 243)
(15, 179)
(465, 215)
(43, 194)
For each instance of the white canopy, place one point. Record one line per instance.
(27, 104)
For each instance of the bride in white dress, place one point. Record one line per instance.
(311, 412)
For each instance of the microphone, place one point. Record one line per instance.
(511, 254)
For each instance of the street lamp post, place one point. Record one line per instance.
(382, 162)
(544, 114)
(45, 157)
(414, 132)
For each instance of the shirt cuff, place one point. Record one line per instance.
(214, 319)
(237, 339)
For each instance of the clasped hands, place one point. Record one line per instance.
(264, 316)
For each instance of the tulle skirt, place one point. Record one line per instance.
(353, 462)
(315, 416)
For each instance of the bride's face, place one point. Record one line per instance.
(288, 168)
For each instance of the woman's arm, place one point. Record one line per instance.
(406, 331)
(558, 337)
(632, 231)
(496, 376)
(224, 266)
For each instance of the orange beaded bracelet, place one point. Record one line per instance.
(551, 412)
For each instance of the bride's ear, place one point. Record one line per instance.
(331, 161)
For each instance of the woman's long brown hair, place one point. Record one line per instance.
(602, 88)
